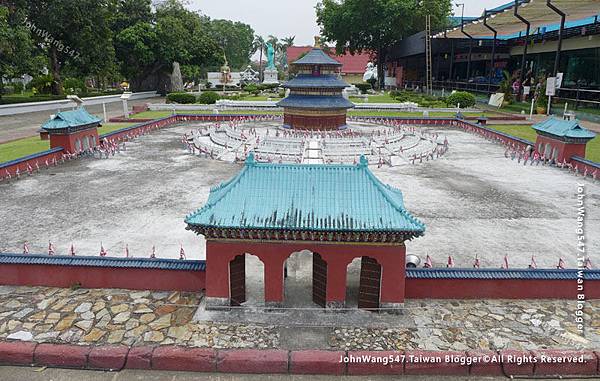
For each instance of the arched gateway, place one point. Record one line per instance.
(338, 212)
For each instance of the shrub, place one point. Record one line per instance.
(182, 98)
(363, 87)
(463, 98)
(74, 86)
(252, 89)
(18, 86)
(42, 83)
(208, 98)
(281, 94)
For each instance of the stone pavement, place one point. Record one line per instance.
(134, 318)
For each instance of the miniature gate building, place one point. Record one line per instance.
(559, 139)
(75, 130)
(338, 212)
(315, 101)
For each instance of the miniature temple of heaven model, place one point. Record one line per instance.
(337, 212)
(315, 101)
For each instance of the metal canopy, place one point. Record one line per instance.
(537, 12)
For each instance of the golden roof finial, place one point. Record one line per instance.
(317, 41)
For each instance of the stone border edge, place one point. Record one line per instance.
(171, 357)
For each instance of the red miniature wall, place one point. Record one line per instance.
(498, 289)
(67, 141)
(101, 277)
(31, 160)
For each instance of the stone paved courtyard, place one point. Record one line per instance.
(134, 318)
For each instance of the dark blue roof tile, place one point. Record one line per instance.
(315, 101)
(109, 262)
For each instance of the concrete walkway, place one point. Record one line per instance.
(25, 125)
(10, 373)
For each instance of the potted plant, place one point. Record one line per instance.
(541, 102)
(506, 88)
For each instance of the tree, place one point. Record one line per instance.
(18, 53)
(259, 45)
(146, 50)
(287, 42)
(236, 39)
(76, 34)
(377, 25)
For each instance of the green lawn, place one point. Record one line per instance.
(385, 98)
(28, 146)
(22, 147)
(110, 127)
(526, 132)
(259, 98)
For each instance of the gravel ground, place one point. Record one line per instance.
(473, 200)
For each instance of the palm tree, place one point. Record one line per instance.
(259, 44)
(287, 42)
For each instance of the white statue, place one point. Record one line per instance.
(249, 75)
(370, 72)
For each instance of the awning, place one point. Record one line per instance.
(542, 19)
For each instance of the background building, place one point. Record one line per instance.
(563, 37)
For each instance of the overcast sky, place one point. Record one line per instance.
(284, 18)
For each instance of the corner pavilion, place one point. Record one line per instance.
(338, 212)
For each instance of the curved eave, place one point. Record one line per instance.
(304, 234)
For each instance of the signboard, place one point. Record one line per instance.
(526, 90)
(551, 86)
(559, 80)
(496, 99)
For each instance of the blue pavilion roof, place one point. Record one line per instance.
(315, 101)
(306, 197)
(70, 119)
(316, 57)
(564, 128)
(323, 81)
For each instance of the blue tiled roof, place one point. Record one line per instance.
(306, 197)
(67, 119)
(307, 80)
(137, 263)
(457, 273)
(564, 128)
(315, 101)
(316, 57)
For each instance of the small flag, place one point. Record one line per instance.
(50, 248)
(102, 251)
(505, 262)
(72, 250)
(533, 264)
(126, 251)
(476, 263)
(450, 261)
(25, 248)
(561, 264)
(153, 254)
(588, 264)
(181, 253)
(428, 263)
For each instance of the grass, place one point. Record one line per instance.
(385, 98)
(526, 132)
(28, 146)
(22, 147)
(110, 127)
(259, 98)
